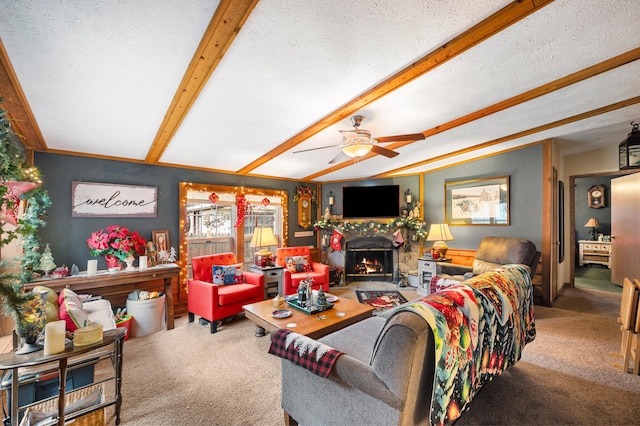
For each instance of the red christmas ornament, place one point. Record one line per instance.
(14, 190)
(213, 198)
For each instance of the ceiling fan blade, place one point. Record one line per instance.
(313, 149)
(338, 157)
(384, 151)
(401, 138)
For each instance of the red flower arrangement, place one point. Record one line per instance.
(116, 241)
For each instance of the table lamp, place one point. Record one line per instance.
(439, 232)
(262, 238)
(592, 223)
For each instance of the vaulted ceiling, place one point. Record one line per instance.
(239, 86)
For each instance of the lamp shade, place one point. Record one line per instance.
(439, 232)
(592, 223)
(263, 237)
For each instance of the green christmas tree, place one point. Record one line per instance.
(46, 261)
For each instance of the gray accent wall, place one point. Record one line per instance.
(524, 168)
(67, 235)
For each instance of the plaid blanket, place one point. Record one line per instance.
(303, 351)
(480, 327)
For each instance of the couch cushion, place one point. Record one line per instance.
(358, 339)
(318, 278)
(232, 294)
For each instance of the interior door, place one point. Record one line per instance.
(625, 236)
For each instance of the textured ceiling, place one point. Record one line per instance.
(104, 78)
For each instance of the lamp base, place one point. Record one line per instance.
(439, 249)
(262, 258)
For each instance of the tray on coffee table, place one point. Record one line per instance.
(293, 302)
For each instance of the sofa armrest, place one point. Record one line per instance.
(453, 269)
(254, 278)
(361, 376)
(202, 290)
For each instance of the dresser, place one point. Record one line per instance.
(594, 252)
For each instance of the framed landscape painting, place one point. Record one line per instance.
(477, 201)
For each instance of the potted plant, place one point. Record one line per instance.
(116, 244)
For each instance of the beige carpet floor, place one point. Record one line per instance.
(187, 376)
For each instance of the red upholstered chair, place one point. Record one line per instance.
(215, 302)
(319, 271)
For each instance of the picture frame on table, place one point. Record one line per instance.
(160, 239)
(477, 201)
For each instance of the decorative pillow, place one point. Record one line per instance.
(239, 278)
(229, 274)
(298, 264)
(290, 263)
(71, 310)
(218, 274)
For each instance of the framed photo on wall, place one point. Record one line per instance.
(162, 245)
(477, 201)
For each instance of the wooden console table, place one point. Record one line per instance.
(13, 361)
(117, 285)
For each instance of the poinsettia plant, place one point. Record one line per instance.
(116, 241)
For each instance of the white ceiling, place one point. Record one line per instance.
(98, 78)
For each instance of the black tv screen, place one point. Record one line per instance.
(370, 201)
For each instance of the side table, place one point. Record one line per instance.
(427, 269)
(13, 361)
(273, 280)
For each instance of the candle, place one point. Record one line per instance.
(54, 337)
(142, 262)
(92, 267)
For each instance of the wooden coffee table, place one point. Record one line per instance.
(308, 325)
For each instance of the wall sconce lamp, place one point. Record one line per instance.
(629, 149)
(407, 197)
(592, 223)
(331, 199)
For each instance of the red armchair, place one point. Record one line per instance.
(319, 271)
(213, 302)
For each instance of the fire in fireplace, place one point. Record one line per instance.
(369, 258)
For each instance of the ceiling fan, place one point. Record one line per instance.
(358, 142)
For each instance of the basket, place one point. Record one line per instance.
(87, 335)
(81, 398)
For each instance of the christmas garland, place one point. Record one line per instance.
(14, 167)
(368, 228)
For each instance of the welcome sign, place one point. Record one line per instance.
(112, 200)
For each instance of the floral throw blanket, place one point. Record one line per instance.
(480, 327)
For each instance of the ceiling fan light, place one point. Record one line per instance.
(356, 150)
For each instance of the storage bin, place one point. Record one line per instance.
(37, 387)
(74, 401)
(126, 324)
(148, 316)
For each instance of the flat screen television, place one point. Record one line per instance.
(370, 201)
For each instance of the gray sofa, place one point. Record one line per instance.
(387, 372)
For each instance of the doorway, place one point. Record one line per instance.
(592, 276)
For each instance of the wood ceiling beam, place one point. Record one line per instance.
(558, 123)
(225, 24)
(497, 22)
(592, 71)
(16, 106)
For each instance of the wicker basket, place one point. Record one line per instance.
(87, 335)
(95, 418)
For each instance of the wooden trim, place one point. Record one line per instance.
(564, 121)
(547, 220)
(15, 103)
(222, 30)
(497, 22)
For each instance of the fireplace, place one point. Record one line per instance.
(369, 259)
